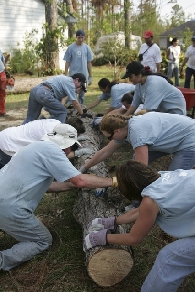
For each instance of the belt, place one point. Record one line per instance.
(47, 86)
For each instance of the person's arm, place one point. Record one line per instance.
(89, 67)
(130, 111)
(110, 109)
(77, 105)
(67, 65)
(118, 111)
(146, 218)
(102, 154)
(81, 181)
(94, 104)
(184, 62)
(141, 154)
(158, 65)
(168, 53)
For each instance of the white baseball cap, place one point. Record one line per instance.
(63, 135)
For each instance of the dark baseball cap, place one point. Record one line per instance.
(133, 68)
(80, 32)
(82, 79)
(193, 38)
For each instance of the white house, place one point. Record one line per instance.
(21, 17)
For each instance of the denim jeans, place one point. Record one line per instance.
(184, 159)
(32, 235)
(189, 73)
(81, 97)
(173, 70)
(173, 263)
(40, 97)
(4, 158)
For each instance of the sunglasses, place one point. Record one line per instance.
(74, 147)
(111, 136)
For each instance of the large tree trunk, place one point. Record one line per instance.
(106, 265)
(51, 14)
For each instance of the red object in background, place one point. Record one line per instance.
(189, 95)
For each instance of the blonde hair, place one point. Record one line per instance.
(110, 122)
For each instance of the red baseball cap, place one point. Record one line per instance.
(148, 34)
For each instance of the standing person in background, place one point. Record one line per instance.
(149, 53)
(173, 54)
(2, 85)
(78, 57)
(113, 90)
(190, 60)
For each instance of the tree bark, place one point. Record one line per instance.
(51, 15)
(106, 265)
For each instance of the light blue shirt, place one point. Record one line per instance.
(28, 175)
(174, 194)
(162, 132)
(78, 57)
(62, 86)
(116, 93)
(157, 94)
(2, 60)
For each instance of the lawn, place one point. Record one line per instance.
(62, 268)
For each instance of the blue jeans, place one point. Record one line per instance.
(189, 73)
(81, 97)
(40, 97)
(173, 70)
(4, 158)
(184, 159)
(173, 263)
(32, 235)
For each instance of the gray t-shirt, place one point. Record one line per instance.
(28, 175)
(162, 132)
(78, 56)
(174, 194)
(62, 86)
(116, 93)
(157, 94)
(2, 60)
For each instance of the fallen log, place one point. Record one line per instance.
(106, 265)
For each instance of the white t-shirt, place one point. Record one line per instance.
(174, 53)
(15, 138)
(190, 54)
(151, 57)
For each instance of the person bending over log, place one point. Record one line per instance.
(13, 139)
(152, 136)
(162, 202)
(113, 90)
(154, 90)
(23, 182)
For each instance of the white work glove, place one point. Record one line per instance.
(83, 151)
(83, 169)
(89, 80)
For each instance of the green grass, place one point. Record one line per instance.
(62, 267)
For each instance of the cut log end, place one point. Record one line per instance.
(109, 266)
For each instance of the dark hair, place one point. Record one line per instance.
(128, 97)
(133, 177)
(146, 72)
(104, 82)
(137, 68)
(77, 124)
(174, 40)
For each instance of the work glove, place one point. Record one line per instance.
(100, 191)
(83, 151)
(83, 169)
(114, 182)
(141, 112)
(95, 238)
(89, 80)
(98, 224)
